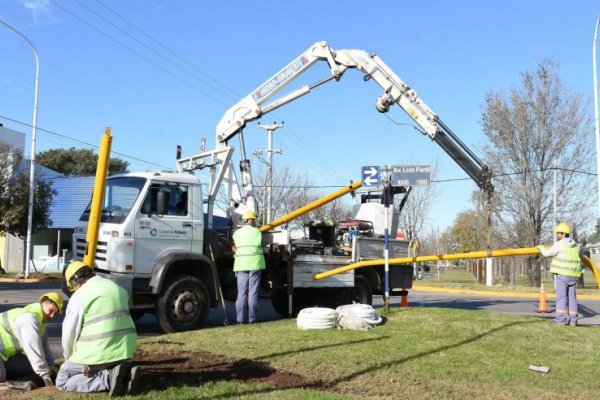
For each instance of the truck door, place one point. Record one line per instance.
(163, 228)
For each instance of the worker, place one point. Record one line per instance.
(98, 336)
(24, 347)
(566, 267)
(248, 263)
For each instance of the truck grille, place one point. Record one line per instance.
(100, 249)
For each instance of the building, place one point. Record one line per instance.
(52, 246)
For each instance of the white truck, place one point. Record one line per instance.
(161, 239)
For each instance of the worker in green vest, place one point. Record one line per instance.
(248, 263)
(24, 347)
(566, 267)
(98, 337)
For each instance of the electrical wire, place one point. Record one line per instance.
(82, 142)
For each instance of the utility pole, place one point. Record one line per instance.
(270, 129)
(32, 156)
(597, 125)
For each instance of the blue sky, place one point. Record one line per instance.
(162, 73)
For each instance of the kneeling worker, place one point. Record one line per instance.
(24, 347)
(98, 337)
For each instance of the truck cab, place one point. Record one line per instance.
(152, 242)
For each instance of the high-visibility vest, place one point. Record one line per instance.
(248, 249)
(10, 343)
(108, 333)
(567, 262)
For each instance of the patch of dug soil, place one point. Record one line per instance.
(164, 370)
(160, 371)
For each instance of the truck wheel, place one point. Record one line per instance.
(279, 301)
(183, 304)
(361, 292)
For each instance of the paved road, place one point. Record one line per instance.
(20, 294)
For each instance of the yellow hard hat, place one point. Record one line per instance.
(54, 297)
(562, 227)
(71, 269)
(249, 215)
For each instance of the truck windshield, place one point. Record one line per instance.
(119, 198)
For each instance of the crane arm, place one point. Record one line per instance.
(395, 91)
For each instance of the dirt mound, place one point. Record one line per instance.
(164, 370)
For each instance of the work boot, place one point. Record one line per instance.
(116, 380)
(134, 379)
(21, 385)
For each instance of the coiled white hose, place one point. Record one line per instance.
(316, 318)
(364, 311)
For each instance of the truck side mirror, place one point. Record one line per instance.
(162, 202)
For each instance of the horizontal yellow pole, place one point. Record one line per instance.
(525, 251)
(311, 206)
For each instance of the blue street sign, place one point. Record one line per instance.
(370, 176)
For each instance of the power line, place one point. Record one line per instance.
(82, 142)
(124, 32)
(173, 75)
(236, 95)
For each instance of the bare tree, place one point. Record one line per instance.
(416, 208)
(538, 124)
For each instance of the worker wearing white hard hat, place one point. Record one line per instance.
(24, 348)
(566, 267)
(248, 264)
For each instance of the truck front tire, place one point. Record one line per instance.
(183, 304)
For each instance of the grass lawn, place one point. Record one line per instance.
(417, 353)
(464, 279)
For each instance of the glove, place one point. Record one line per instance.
(47, 380)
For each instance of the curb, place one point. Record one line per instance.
(23, 280)
(493, 293)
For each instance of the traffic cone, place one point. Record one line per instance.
(404, 298)
(543, 305)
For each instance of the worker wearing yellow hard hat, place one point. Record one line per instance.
(24, 347)
(85, 368)
(248, 263)
(566, 267)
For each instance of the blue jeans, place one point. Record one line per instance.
(566, 299)
(246, 305)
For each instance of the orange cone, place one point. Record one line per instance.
(404, 298)
(543, 305)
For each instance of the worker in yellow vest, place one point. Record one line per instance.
(566, 267)
(24, 347)
(248, 263)
(98, 337)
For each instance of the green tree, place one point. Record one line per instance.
(466, 232)
(14, 195)
(537, 126)
(74, 161)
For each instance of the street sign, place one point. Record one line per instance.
(370, 176)
(411, 175)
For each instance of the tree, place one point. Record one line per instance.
(14, 195)
(292, 190)
(74, 161)
(538, 124)
(416, 208)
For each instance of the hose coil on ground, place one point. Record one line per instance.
(316, 318)
(364, 311)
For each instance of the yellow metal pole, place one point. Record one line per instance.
(435, 257)
(311, 206)
(91, 237)
(594, 269)
(525, 251)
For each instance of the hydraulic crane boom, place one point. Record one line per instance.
(260, 102)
